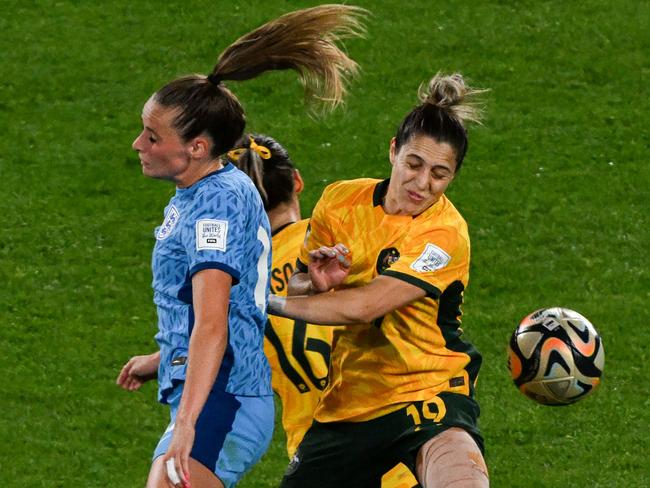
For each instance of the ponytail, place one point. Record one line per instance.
(304, 41)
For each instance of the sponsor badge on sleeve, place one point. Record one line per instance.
(211, 234)
(432, 259)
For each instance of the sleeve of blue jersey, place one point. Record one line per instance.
(215, 236)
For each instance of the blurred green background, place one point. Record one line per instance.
(555, 189)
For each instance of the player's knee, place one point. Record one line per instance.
(451, 460)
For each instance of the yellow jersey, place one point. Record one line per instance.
(297, 352)
(414, 352)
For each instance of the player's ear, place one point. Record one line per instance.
(392, 151)
(199, 147)
(298, 183)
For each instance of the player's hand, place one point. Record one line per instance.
(328, 267)
(138, 370)
(177, 458)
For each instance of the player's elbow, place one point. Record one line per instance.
(368, 317)
(211, 329)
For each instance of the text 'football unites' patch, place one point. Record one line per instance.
(211, 234)
(431, 259)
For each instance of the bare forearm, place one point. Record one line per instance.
(359, 305)
(155, 358)
(207, 347)
(153, 362)
(338, 308)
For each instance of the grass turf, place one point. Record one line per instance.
(553, 189)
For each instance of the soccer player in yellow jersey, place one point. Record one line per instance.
(390, 261)
(297, 352)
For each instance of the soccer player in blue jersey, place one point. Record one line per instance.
(211, 258)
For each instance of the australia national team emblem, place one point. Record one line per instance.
(168, 225)
(211, 234)
(387, 257)
(431, 259)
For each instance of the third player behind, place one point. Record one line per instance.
(298, 352)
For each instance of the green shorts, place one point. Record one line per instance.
(358, 454)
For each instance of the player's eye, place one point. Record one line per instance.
(152, 139)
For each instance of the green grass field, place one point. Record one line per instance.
(553, 190)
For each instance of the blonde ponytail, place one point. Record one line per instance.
(304, 41)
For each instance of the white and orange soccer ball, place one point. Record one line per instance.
(556, 356)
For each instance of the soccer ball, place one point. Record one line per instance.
(555, 356)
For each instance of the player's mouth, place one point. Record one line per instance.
(416, 197)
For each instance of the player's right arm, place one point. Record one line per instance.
(138, 370)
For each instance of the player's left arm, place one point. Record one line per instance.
(138, 370)
(431, 259)
(350, 306)
(210, 295)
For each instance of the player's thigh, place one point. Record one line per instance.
(247, 441)
(200, 476)
(231, 434)
(451, 459)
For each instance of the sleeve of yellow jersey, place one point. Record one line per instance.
(432, 259)
(319, 232)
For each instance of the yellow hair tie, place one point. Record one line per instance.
(263, 151)
(235, 154)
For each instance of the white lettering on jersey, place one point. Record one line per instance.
(211, 234)
(262, 270)
(431, 259)
(171, 219)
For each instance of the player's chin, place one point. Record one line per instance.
(416, 208)
(149, 172)
(424, 205)
(416, 204)
(146, 169)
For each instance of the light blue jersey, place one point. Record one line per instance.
(220, 223)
